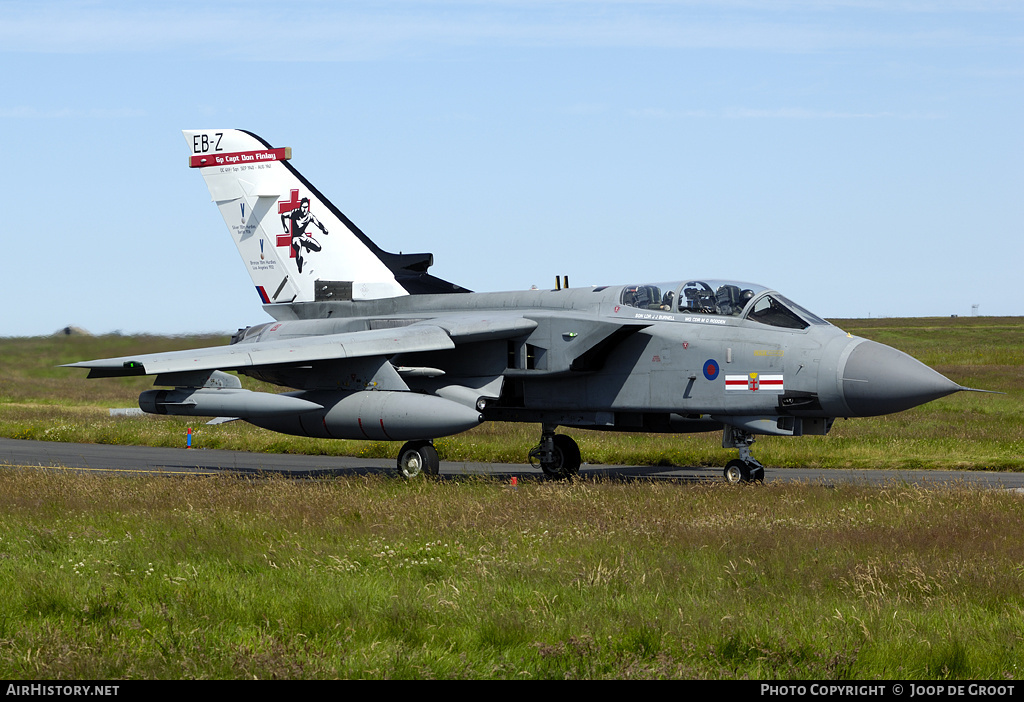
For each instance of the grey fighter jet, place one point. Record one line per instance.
(374, 347)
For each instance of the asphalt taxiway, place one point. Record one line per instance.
(181, 461)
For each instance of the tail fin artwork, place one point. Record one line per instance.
(297, 246)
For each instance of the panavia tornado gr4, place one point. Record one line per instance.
(374, 347)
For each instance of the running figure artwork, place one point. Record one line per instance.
(299, 219)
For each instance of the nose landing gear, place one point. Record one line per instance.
(746, 468)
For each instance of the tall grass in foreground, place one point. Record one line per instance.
(225, 577)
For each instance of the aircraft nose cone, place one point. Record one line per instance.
(878, 379)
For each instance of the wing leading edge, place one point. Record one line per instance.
(435, 335)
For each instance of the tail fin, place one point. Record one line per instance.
(297, 246)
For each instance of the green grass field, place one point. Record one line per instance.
(222, 577)
(372, 577)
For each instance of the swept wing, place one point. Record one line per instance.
(436, 335)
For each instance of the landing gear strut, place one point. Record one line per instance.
(746, 468)
(557, 454)
(418, 457)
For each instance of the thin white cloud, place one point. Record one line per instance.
(779, 113)
(668, 114)
(801, 113)
(28, 112)
(317, 30)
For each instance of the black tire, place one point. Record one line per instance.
(736, 471)
(418, 458)
(567, 459)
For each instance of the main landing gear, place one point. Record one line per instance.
(557, 454)
(746, 468)
(418, 457)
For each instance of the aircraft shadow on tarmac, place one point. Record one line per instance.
(452, 473)
(168, 461)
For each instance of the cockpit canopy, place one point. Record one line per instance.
(723, 299)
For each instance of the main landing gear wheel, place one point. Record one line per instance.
(736, 471)
(557, 455)
(418, 457)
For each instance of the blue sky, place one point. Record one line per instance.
(863, 157)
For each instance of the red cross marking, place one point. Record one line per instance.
(284, 207)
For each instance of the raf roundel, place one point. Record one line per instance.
(711, 369)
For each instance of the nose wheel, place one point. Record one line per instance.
(746, 468)
(737, 471)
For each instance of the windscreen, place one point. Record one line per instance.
(778, 311)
